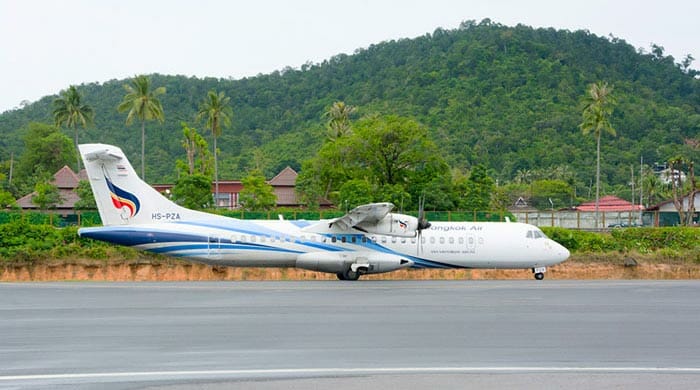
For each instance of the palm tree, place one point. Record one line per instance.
(142, 103)
(599, 105)
(215, 108)
(339, 119)
(70, 112)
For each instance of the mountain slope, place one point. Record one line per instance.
(507, 97)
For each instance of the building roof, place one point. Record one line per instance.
(65, 178)
(287, 177)
(668, 205)
(67, 181)
(609, 203)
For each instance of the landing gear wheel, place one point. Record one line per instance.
(539, 275)
(349, 274)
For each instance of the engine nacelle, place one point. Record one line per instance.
(392, 224)
(365, 262)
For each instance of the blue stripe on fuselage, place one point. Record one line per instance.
(133, 237)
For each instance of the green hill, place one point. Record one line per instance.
(507, 97)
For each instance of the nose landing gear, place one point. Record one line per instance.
(539, 272)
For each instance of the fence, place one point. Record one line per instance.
(566, 219)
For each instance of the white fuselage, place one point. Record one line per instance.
(274, 243)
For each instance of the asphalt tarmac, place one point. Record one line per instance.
(350, 335)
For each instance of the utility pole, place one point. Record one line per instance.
(632, 182)
(641, 180)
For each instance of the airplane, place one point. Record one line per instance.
(369, 239)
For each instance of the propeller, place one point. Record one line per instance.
(422, 223)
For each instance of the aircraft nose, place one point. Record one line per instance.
(561, 252)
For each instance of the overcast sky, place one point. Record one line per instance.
(45, 46)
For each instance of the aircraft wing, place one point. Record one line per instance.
(366, 214)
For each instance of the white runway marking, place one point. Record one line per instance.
(145, 375)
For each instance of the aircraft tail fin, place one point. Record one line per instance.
(122, 197)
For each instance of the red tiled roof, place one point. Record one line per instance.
(609, 203)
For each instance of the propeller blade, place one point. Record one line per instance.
(422, 223)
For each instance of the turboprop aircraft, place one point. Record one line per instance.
(369, 239)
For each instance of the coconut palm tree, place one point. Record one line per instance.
(339, 119)
(217, 112)
(142, 104)
(69, 111)
(599, 105)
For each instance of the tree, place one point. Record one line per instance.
(257, 194)
(599, 104)
(46, 150)
(196, 151)
(47, 195)
(339, 119)
(217, 112)
(385, 151)
(69, 111)
(193, 186)
(6, 199)
(142, 104)
(559, 192)
(87, 198)
(475, 192)
(193, 191)
(354, 193)
(391, 148)
(678, 164)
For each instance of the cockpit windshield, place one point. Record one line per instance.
(535, 234)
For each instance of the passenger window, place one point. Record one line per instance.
(442, 240)
(354, 240)
(383, 240)
(393, 240)
(343, 239)
(252, 239)
(461, 240)
(432, 240)
(403, 240)
(451, 240)
(333, 239)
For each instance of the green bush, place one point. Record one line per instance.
(582, 241)
(642, 240)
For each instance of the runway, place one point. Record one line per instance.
(347, 335)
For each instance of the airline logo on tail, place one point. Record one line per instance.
(122, 199)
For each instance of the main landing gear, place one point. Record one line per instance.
(348, 274)
(353, 272)
(539, 272)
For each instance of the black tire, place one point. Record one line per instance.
(539, 276)
(349, 274)
(340, 276)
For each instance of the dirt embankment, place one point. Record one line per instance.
(182, 271)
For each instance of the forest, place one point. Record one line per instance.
(508, 99)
